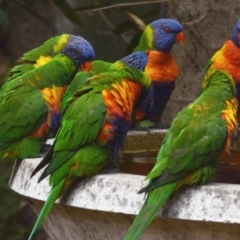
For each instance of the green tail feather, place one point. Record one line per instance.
(154, 202)
(52, 197)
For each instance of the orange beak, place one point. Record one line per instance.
(180, 37)
(86, 67)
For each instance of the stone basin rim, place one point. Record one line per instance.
(214, 202)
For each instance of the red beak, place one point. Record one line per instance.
(180, 37)
(86, 67)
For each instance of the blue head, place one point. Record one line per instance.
(136, 60)
(80, 51)
(160, 35)
(166, 32)
(236, 34)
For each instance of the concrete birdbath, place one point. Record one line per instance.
(104, 206)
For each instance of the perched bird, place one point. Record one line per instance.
(198, 138)
(228, 58)
(30, 97)
(157, 41)
(94, 126)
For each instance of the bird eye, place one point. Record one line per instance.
(167, 30)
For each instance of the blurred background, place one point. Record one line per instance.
(113, 27)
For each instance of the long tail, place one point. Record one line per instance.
(154, 202)
(52, 197)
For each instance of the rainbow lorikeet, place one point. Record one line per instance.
(228, 58)
(30, 97)
(198, 137)
(157, 41)
(94, 126)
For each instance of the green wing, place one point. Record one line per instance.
(22, 115)
(80, 125)
(16, 121)
(195, 138)
(81, 122)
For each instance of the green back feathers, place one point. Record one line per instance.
(80, 79)
(219, 79)
(38, 56)
(104, 80)
(42, 77)
(99, 66)
(48, 49)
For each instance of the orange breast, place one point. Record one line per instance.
(161, 66)
(228, 58)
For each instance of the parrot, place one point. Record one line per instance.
(157, 41)
(198, 138)
(228, 58)
(93, 127)
(32, 91)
